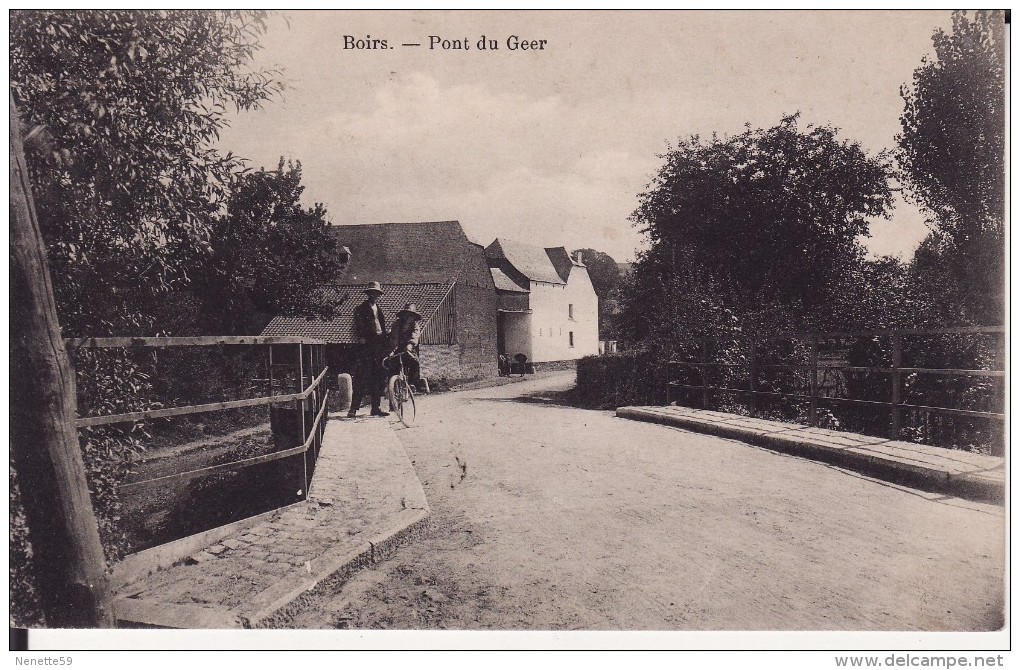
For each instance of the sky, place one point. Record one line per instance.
(552, 146)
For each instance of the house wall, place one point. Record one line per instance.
(551, 324)
(440, 361)
(475, 308)
(517, 334)
(513, 301)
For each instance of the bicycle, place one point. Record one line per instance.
(399, 390)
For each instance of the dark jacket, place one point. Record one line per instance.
(363, 327)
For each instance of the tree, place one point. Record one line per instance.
(123, 108)
(269, 256)
(605, 279)
(766, 221)
(952, 155)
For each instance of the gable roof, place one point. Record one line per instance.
(562, 261)
(532, 262)
(340, 329)
(436, 252)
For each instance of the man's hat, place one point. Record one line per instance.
(374, 287)
(411, 308)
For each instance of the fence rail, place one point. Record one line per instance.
(229, 467)
(297, 400)
(752, 366)
(183, 410)
(161, 342)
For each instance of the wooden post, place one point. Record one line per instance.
(272, 386)
(304, 413)
(895, 399)
(753, 378)
(813, 417)
(68, 558)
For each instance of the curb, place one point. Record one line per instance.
(375, 550)
(137, 613)
(789, 439)
(286, 601)
(139, 565)
(324, 569)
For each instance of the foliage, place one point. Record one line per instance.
(111, 382)
(758, 233)
(952, 154)
(880, 293)
(123, 108)
(269, 255)
(615, 380)
(606, 280)
(770, 215)
(25, 605)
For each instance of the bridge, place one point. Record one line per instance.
(271, 566)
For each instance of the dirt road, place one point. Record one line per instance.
(552, 517)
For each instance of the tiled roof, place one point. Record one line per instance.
(532, 262)
(505, 283)
(340, 330)
(412, 253)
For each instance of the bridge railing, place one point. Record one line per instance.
(289, 382)
(935, 386)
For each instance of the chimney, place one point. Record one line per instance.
(579, 261)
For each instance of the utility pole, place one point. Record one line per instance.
(68, 559)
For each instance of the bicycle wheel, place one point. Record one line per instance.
(407, 407)
(401, 398)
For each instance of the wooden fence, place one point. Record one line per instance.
(296, 397)
(750, 361)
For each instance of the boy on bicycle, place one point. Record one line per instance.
(404, 335)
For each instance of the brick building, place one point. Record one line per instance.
(432, 264)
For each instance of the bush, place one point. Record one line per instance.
(627, 378)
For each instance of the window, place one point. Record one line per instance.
(570, 311)
(571, 338)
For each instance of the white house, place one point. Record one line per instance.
(547, 308)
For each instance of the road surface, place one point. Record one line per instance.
(549, 517)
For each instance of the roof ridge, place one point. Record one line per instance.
(532, 261)
(393, 223)
(395, 283)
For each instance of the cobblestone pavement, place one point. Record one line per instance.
(364, 496)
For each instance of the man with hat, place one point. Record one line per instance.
(404, 335)
(370, 329)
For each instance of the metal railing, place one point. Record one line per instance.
(752, 358)
(295, 395)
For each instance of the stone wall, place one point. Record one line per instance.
(476, 330)
(440, 361)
